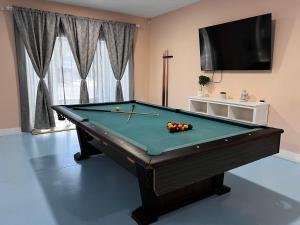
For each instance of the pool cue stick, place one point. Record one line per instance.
(121, 112)
(163, 81)
(167, 80)
(166, 58)
(130, 115)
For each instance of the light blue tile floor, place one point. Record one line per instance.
(40, 184)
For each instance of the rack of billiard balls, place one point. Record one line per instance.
(174, 127)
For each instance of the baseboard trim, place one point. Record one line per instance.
(10, 131)
(288, 155)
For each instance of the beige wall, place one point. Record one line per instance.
(178, 32)
(9, 99)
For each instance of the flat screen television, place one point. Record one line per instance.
(239, 45)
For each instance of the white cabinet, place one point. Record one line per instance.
(247, 112)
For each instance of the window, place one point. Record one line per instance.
(63, 79)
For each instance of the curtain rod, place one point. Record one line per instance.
(10, 8)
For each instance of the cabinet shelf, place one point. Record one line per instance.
(246, 112)
(216, 109)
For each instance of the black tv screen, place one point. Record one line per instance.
(240, 45)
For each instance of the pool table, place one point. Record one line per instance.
(173, 169)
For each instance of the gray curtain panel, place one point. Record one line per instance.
(131, 77)
(22, 77)
(82, 35)
(119, 40)
(38, 31)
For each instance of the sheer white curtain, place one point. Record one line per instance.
(63, 79)
(101, 80)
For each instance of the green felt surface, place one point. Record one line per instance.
(150, 132)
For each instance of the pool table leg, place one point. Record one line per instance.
(86, 147)
(223, 190)
(154, 206)
(147, 213)
(220, 187)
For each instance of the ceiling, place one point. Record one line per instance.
(142, 8)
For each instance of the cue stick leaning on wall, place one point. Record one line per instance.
(165, 81)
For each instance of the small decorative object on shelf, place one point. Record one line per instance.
(244, 96)
(203, 80)
(223, 95)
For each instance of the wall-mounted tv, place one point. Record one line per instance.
(240, 45)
